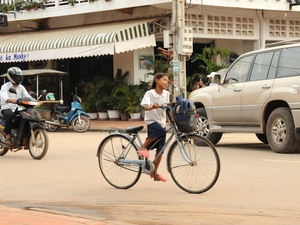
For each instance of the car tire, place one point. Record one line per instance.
(203, 127)
(281, 131)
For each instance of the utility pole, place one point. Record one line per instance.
(182, 45)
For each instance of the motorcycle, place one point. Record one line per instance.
(76, 117)
(28, 130)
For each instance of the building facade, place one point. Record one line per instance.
(96, 37)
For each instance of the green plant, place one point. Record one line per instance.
(92, 97)
(119, 80)
(19, 4)
(144, 86)
(224, 53)
(27, 6)
(99, 96)
(72, 2)
(88, 105)
(11, 7)
(35, 5)
(161, 63)
(210, 52)
(207, 59)
(129, 97)
(4, 7)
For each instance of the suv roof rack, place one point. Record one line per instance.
(280, 43)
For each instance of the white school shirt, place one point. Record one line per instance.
(155, 115)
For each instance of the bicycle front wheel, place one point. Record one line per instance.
(194, 165)
(111, 150)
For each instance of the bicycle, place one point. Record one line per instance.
(192, 160)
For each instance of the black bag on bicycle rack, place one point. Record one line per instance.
(185, 115)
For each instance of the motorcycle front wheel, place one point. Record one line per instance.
(38, 143)
(81, 125)
(3, 149)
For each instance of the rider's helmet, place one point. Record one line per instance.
(50, 97)
(15, 75)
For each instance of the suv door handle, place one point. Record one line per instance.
(266, 86)
(237, 89)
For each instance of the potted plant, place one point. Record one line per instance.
(89, 106)
(35, 5)
(19, 4)
(113, 101)
(72, 2)
(161, 63)
(27, 6)
(11, 7)
(4, 7)
(120, 105)
(88, 100)
(131, 96)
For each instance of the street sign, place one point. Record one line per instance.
(175, 65)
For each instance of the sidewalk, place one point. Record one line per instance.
(9, 216)
(107, 125)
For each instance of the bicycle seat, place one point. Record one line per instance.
(134, 130)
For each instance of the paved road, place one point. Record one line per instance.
(256, 186)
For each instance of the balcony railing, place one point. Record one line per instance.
(17, 5)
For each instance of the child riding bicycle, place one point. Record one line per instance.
(155, 118)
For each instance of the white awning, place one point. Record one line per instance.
(76, 42)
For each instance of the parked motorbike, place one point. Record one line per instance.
(28, 130)
(76, 117)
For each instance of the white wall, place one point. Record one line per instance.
(140, 73)
(249, 4)
(235, 46)
(124, 61)
(129, 61)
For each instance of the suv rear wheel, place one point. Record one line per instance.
(281, 131)
(203, 128)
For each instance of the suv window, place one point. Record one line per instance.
(261, 66)
(289, 64)
(239, 71)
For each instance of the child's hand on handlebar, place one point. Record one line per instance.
(155, 106)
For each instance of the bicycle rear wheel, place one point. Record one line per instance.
(194, 165)
(113, 148)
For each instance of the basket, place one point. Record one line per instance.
(186, 122)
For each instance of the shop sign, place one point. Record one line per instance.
(13, 57)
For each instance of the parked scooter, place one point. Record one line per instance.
(29, 131)
(76, 117)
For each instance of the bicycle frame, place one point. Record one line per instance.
(146, 165)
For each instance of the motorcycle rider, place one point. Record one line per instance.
(9, 100)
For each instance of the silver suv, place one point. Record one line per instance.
(258, 94)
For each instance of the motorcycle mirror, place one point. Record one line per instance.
(42, 95)
(43, 92)
(12, 90)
